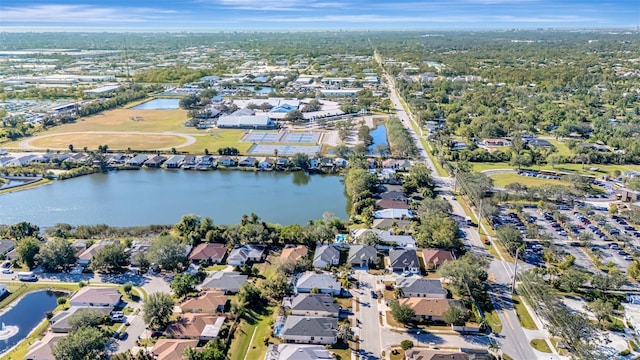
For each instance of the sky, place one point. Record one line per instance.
(219, 15)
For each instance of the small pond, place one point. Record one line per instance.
(26, 314)
(159, 104)
(261, 90)
(379, 136)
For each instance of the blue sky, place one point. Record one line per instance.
(215, 15)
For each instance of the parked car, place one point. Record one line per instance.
(7, 271)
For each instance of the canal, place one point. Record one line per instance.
(26, 314)
(143, 197)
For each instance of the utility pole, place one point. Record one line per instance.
(515, 272)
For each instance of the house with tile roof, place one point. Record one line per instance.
(208, 302)
(172, 349)
(195, 326)
(211, 253)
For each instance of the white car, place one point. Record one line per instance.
(7, 271)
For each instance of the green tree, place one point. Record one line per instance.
(300, 160)
(23, 229)
(168, 253)
(601, 308)
(85, 318)
(127, 287)
(56, 255)
(183, 284)
(157, 309)
(111, 258)
(572, 279)
(406, 344)
(467, 274)
(402, 313)
(82, 344)
(28, 249)
(456, 315)
(277, 286)
(510, 238)
(634, 269)
(294, 116)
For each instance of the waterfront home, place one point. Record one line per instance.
(229, 282)
(404, 260)
(325, 256)
(392, 204)
(429, 309)
(195, 326)
(227, 161)
(322, 283)
(419, 287)
(206, 162)
(293, 253)
(85, 257)
(248, 161)
(340, 162)
(6, 246)
(172, 349)
(312, 305)
(310, 330)
(211, 253)
(387, 238)
(60, 321)
(313, 163)
(266, 163)
(326, 163)
(117, 159)
(174, 162)
(208, 302)
(137, 160)
(43, 349)
(298, 352)
(393, 214)
(137, 247)
(282, 161)
(393, 195)
(362, 255)
(189, 162)
(433, 258)
(155, 161)
(396, 164)
(241, 255)
(96, 296)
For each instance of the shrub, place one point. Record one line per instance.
(406, 344)
(624, 352)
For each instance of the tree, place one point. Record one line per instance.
(510, 238)
(127, 287)
(168, 253)
(56, 255)
(183, 284)
(406, 344)
(28, 249)
(467, 274)
(157, 308)
(634, 269)
(402, 313)
(277, 287)
(300, 160)
(456, 315)
(85, 318)
(142, 259)
(110, 259)
(294, 116)
(23, 229)
(398, 292)
(601, 308)
(71, 147)
(572, 279)
(370, 238)
(82, 344)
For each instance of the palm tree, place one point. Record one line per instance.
(398, 292)
(275, 153)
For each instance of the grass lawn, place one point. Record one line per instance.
(540, 345)
(574, 168)
(482, 166)
(120, 120)
(502, 180)
(561, 147)
(115, 141)
(493, 320)
(248, 340)
(392, 321)
(396, 354)
(345, 302)
(216, 267)
(523, 315)
(218, 139)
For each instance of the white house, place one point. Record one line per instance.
(326, 255)
(96, 296)
(244, 254)
(324, 283)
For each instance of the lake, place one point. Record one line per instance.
(159, 104)
(379, 135)
(143, 197)
(26, 314)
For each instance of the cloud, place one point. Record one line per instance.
(277, 5)
(59, 13)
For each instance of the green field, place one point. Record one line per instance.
(575, 168)
(248, 340)
(561, 148)
(523, 315)
(503, 179)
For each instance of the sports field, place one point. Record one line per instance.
(113, 140)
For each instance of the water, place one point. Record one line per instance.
(379, 135)
(262, 91)
(143, 197)
(159, 104)
(27, 313)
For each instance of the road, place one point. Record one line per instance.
(512, 339)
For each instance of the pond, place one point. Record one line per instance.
(143, 197)
(379, 135)
(26, 314)
(261, 90)
(159, 104)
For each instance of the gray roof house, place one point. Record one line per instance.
(6, 246)
(60, 321)
(388, 237)
(96, 296)
(310, 330)
(43, 348)
(298, 352)
(312, 305)
(419, 287)
(325, 283)
(225, 281)
(137, 160)
(404, 260)
(326, 255)
(362, 255)
(241, 255)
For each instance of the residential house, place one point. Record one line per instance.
(387, 224)
(312, 305)
(117, 159)
(189, 162)
(225, 281)
(393, 214)
(340, 162)
(137, 160)
(322, 283)
(387, 238)
(426, 309)
(462, 354)
(298, 352)
(419, 287)
(206, 162)
(459, 145)
(195, 326)
(266, 163)
(248, 161)
(325, 256)
(293, 253)
(241, 255)
(96, 296)
(155, 161)
(6, 246)
(208, 302)
(539, 143)
(310, 330)
(392, 204)
(60, 321)
(211, 253)
(172, 349)
(174, 162)
(138, 247)
(404, 260)
(362, 255)
(497, 142)
(327, 163)
(396, 164)
(84, 258)
(393, 195)
(314, 163)
(43, 348)
(227, 161)
(433, 258)
(282, 161)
